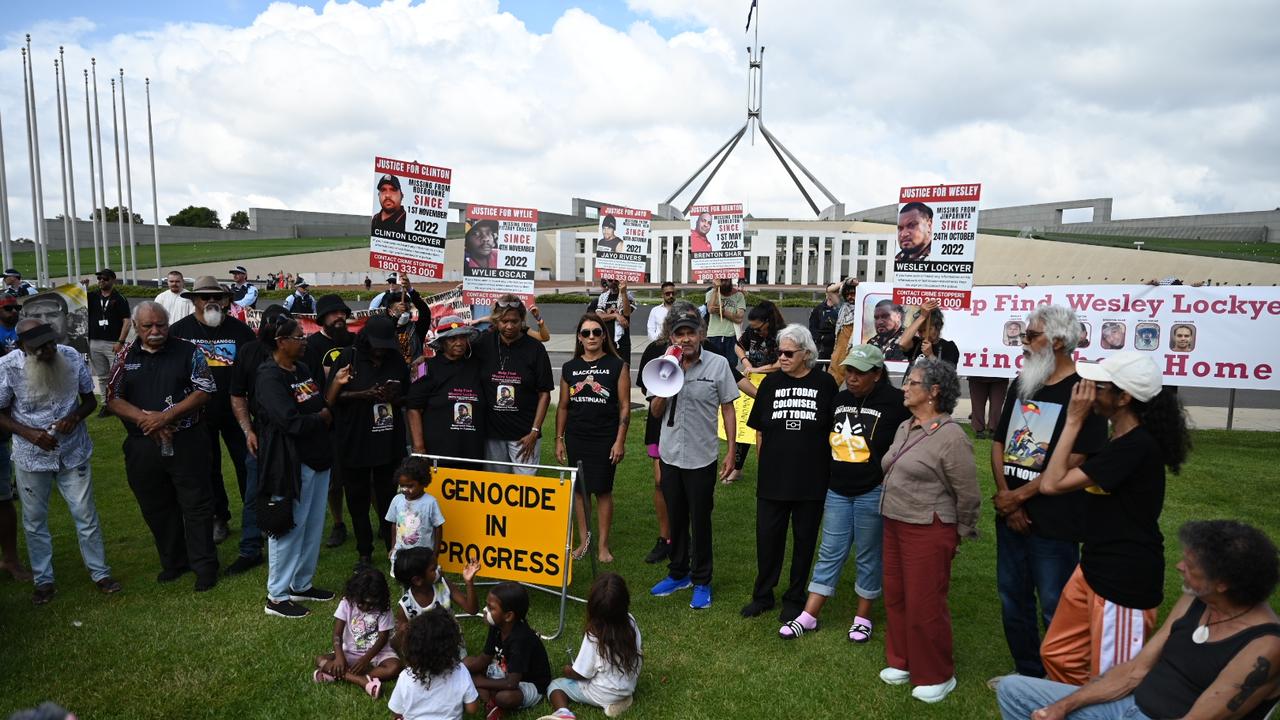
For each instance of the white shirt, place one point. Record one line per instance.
(657, 317)
(442, 697)
(177, 306)
(605, 684)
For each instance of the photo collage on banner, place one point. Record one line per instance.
(1193, 334)
(937, 244)
(500, 253)
(410, 217)
(716, 245)
(622, 251)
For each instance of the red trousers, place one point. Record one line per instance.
(917, 576)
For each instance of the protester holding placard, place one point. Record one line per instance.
(822, 321)
(846, 328)
(592, 418)
(614, 306)
(516, 380)
(923, 337)
(726, 307)
(446, 413)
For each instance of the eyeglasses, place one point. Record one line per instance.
(788, 354)
(590, 332)
(292, 337)
(1030, 335)
(908, 383)
(10, 308)
(507, 304)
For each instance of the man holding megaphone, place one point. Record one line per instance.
(689, 386)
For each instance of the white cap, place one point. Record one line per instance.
(1130, 371)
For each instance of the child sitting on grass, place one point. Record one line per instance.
(415, 514)
(513, 671)
(425, 588)
(434, 685)
(361, 630)
(605, 672)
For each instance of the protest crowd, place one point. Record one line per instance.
(871, 477)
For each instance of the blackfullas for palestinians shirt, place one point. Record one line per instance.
(593, 396)
(862, 430)
(512, 377)
(1123, 554)
(369, 433)
(452, 405)
(1030, 427)
(793, 415)
(220, 347)
(291, 401)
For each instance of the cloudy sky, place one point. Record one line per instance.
(1169, 107)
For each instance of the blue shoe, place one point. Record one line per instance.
(701, 597)
(668, 585)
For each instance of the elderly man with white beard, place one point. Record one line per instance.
(46, 393)
(1037, 535)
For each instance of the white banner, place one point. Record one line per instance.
(1223, 336)
(716, 247)
(410, 217)
(622, 252)
(499, 256)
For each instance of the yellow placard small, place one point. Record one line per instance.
(742, 410)
(514, 524)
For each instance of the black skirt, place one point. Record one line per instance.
(593, 453)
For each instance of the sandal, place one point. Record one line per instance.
(320, 676)
(586, 546)
(796, 630)
(373, 687)
(860, 630)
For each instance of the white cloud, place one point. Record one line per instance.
(1168, 107)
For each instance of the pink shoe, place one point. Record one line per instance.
(320, 676)
(373, 687)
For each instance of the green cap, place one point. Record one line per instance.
(864, 358)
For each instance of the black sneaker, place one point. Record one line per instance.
(220, 532)
(243, 564)
(286, 609)
(337, 536)
(206, 583)
(661, 549)
(171, 575)
(755, 607)
(316, 594)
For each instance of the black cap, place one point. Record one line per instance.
(12, 273)
(609, 221)
(393, 278)
(37, 336)
(690, 319)
(107, 273)
(391, 180)
(476, 225)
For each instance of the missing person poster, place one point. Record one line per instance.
(622, 251)
(937, 244)
(499, 254)
(410, 217)
(716, 246)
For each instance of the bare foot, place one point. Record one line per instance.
(16, 570)
(581, 551)
(605, 556)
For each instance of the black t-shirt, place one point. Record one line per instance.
(652, 425)
(1029, 428)
(289, 401)
(943, 349)
(1123, 554)
(593, 396)
(521, 652)
(370, 432)
(221, 347)
(759, 349)
(793, 415)
(321, 352)
(107, 315)
(452, 405)
(513, 376)
(245, 373)
(862, 430)
(612, 302)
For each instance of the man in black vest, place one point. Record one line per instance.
(300, 302)
(243, 293)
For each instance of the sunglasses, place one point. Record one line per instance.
(788, 354)
(1030, 335)
(10, 308)
(507, 304)
(590, 332)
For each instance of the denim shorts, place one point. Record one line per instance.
(572, 688)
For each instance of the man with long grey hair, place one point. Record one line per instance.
(1036, 534)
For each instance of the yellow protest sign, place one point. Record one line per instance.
(515, 525)
(742, 410)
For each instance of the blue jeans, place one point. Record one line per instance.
(291, 560)
(848, 523)
(1018, 697)
(250, 535)
(1028, 566)
(76, 487)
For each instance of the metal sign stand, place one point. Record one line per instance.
(565, 474)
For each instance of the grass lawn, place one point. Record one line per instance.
(157, 651)
(182, 254)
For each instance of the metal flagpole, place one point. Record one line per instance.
(62, 165)
(120, 209)
(155, 205)
(42, 240)
(71, 172)
(93, 188)
(102, 162)
(6, 252)
(128, 179)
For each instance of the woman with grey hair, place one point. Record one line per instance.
(791, 417)
(930, 501)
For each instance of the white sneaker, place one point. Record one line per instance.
(934, 693)
(614, 709)
(894, 676)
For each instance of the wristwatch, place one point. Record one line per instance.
(537, 430)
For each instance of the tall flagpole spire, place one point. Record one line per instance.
(128, 180)
(71, 173)
(62, 166)
(120, 208)
(93, 187)
(102, 164)
(6, 252)
(42, 240)
(155, 206)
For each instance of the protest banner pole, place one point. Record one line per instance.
(1231, 408)
(71, 172)
(93, 188)
(565, 474)
(62, 165)
(120, 209)
(155, 205)
(128, 179)
(6, 253)
(102, 162)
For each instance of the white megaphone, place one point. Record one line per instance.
(663, 375)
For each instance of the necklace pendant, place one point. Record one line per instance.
(1201, 635)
